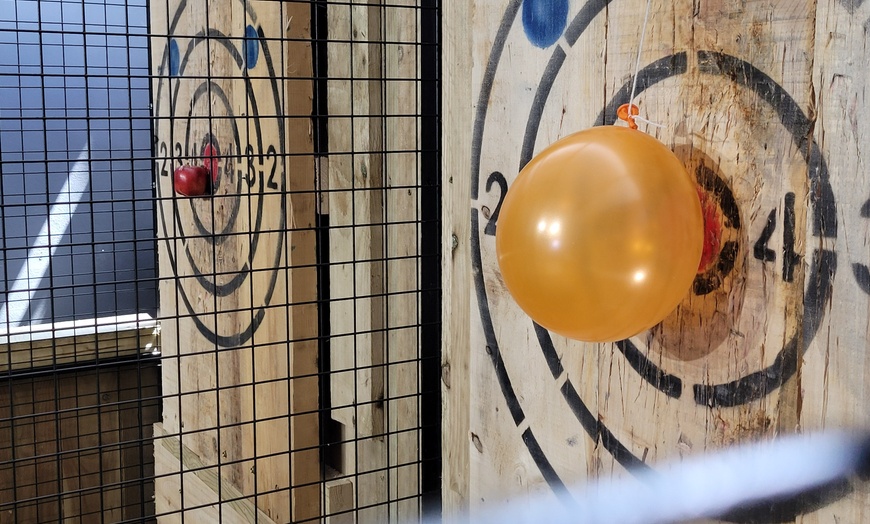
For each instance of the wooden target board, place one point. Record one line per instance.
(760, 102)
(232, 92)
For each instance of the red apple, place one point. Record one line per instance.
(192, 181)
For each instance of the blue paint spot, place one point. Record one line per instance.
(544, 20)
(173, 57)
(252, 47)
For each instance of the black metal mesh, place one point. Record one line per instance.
(289, 386)
(77, 395)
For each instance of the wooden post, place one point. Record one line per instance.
(402, 65)
(456, 259)
(835, 375)
(356, 242)
(357, 217)
(373, 97)
(302, 275)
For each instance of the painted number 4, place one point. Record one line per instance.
(790, 259)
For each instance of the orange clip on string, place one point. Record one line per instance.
(627, 112)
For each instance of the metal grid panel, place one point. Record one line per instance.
(293, 370)
(79, 382)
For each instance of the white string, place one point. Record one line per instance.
(645, 121)
(639, 49)
(637, 68)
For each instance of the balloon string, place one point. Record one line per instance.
(645, 121)
(639, 49)
(631, 106)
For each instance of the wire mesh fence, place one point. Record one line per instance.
(221, 260)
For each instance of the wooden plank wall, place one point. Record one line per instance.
(763, 102)
(373, 204)
(76, 446)
(233, 81)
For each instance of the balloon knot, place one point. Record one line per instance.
(628, 112)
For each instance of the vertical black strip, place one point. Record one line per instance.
(327, 434)
(320, 125)
(319, 37)
(430, 247)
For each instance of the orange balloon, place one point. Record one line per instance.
(600, 235)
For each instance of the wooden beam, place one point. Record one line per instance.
(339, 495)
(69, 342)
(356, 217)
(356, 240)
(456, 258)
(189, 482)
(357, 303)
(374, 206)
(301, 250)
(835, 375)
(401, 86)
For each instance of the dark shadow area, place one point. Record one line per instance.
(704, 319)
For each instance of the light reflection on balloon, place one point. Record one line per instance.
(600, 236)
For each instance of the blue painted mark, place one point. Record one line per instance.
(173, 57)
(252, 47)
(544, 20)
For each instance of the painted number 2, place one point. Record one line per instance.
(495, 178)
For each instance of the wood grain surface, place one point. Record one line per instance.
(763, 103)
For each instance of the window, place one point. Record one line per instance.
(75, 162)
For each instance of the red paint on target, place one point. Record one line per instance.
(211, 160)
(712, 230)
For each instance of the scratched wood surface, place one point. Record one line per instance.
(763, 102)
(835, 371)
(233, 91)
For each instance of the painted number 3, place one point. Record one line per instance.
(251, 176)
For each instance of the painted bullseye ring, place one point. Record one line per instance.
(263, 265)
(211, 88)
(744, 389)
